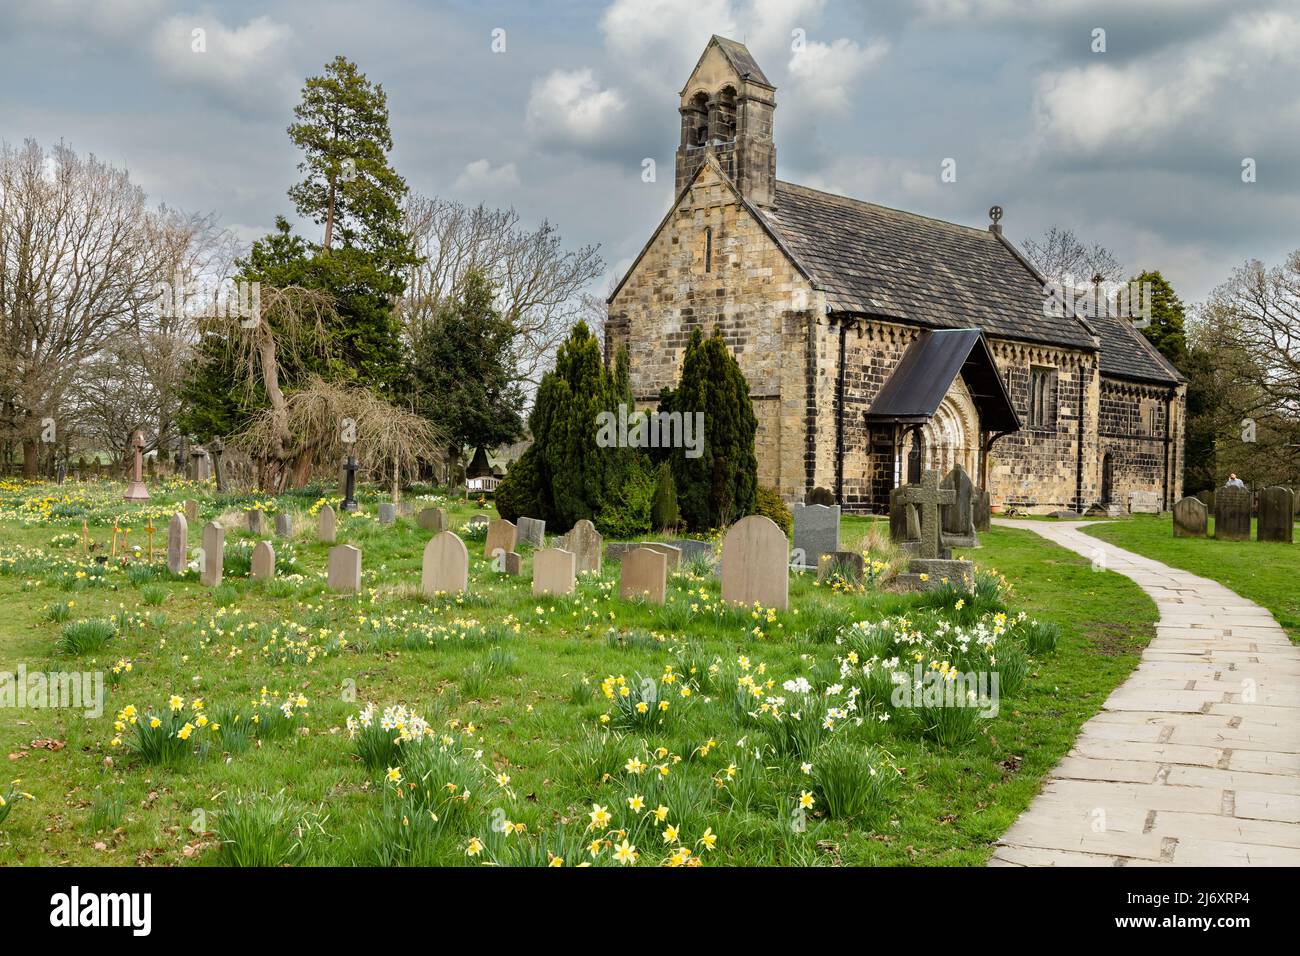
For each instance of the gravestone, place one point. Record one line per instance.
(446, 565)
(327, 525)
(514, 563)
(981, 511)
(214, 554)
(405, 508)
(1206, 498)
(532, 531)
(554, 571)
(927, 497)
(933, 563)
(1232, 514)
(644, 574)
(816, 532)
(1144, 502)
(618, 551)
(958, 518)
(344, 572)
(502, 536)
(849, 564)
(755, 557)
(191, 510)
(178, 531)
(672, 554)
(387, 512)
(1276, 515)
(693, 548)
(433, 519)
(256, 521)
(284, 524)
(585, 542)
(477, 520)
(1189, 518)
(820, 496)
(263, 561)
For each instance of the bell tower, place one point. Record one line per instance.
(726, 109)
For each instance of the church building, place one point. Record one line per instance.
(878, 342)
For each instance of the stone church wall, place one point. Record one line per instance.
(1142, 430)
(750, 291)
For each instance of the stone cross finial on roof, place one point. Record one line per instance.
(928, 496)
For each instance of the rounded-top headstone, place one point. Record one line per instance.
(755, 554)
(446, 565)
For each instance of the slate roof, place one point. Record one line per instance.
(925, 373)
(739, 56)
(882, 262)
(1127, 353)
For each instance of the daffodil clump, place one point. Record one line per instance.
(382, 739)
(167, 735)
(644, 703)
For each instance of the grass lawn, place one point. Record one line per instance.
(531, 704)
(1266, 572)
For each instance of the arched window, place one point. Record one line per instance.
(695, 126)
(722, 117)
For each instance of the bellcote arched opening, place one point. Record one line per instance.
(722, 116)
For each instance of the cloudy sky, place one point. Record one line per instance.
(1139, 147)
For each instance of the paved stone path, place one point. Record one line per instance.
(1195, 759)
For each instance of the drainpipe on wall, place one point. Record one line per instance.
(1078, 474)
(1169, 420)
(839, 421)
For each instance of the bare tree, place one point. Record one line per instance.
(538, 282)
(1061, 256)
(77, 265)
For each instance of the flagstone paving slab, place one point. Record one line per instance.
(1195, 759)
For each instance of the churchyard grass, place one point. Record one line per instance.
(1262, 571)
(522, 740)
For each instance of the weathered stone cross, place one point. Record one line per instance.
(927, 496)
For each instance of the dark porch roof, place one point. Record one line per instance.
(927, 370)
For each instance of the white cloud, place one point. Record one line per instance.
(570, 108)
(243, 62)
(481, 176)
(658, 41)
(1132, 105)
(823, 74)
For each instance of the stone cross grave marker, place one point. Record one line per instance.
(927, 497)
(178, 543)
(327, 525)
(554, 571)
(501, 536)
(137, 491)
(1189, 518)
(755, 564)
(446, 565)
(644, 574)
(263, 561)
(214, 554)
(1232, 514)
(816, 532)
(1276, 515)
(344, 572)
(586, 542)
(533, 531)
